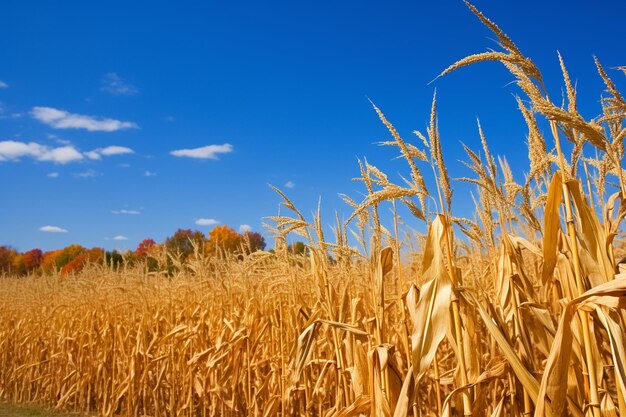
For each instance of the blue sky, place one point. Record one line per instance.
(125, 120)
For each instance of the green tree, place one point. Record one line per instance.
(68, 254)
(114, 259)
(297, 248)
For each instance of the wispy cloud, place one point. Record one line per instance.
(108, 151)
(90, 173)
(115, 150)
(205, 152)
(3, 85)
(149, 174)
(206, 222)
(61, 119)
(6, 114)
(52, 229)
(120, 237)
(290, 184)
(115, 85)
(11, 150)
(245, 228)
(124, 211)
(59, 140)
(53, 175)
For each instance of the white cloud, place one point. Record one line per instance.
(124, 211)
(13, 150)
(52, 229)
(206, 222)
(10, 149)
(114, 85)
(61, 155)
(245, 228)
(120, 237)
(115, 150)
(205, 152)
(60, 119)
(3, 85)
(108, 151)
(53, 175)
(149, 174)
(290, 184)
(170, 119)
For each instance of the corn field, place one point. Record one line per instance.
(518, 311)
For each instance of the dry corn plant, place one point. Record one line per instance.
(517, 311)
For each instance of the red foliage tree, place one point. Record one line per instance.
(32, 260)
(253, 241)
(144, 247)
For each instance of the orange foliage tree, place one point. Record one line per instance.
(68, 254)
(7, 256)
(94, 255)
(223, 238)
(49, 260)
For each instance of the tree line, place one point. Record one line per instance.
(221, 240)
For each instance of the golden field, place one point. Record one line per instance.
(518, 311)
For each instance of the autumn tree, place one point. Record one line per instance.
(144, 247)
(182, 242)
(17, 265)
(31, 260)
(7, 256)
(253, 241)
(49, 260)
(90, 256)
(223, 238)
(68, 254)
(147, 251)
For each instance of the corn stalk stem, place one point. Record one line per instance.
(397, 260)
(620, 397)
(456, 316)
(584, 317)
(518, 334)
(437, 384)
